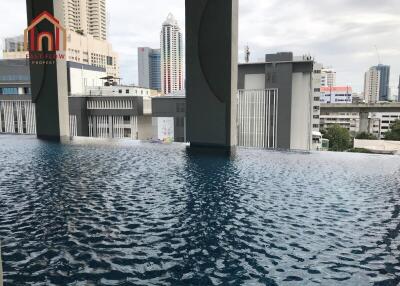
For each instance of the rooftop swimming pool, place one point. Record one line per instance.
(127, 213)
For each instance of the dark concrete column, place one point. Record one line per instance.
(211, 72)
(364, 121)
(48, 74)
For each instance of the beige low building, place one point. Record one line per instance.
(83, 49)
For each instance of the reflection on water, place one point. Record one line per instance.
(143, 214)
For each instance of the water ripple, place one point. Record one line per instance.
(143, 214)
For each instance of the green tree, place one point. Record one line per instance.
(394, 133)
(339, 138)
(366, 136)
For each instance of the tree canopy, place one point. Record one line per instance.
(339, 138)
(394, 133)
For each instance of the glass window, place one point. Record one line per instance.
(9, 90)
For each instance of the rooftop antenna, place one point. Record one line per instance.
(379, 55)
(247, 54)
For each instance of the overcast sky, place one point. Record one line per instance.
(341, 34)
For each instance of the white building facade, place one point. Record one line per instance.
(336, 94)
(380, 122)
(83, 49)
(172, 77)
(82, 77)
(348, 120)
(87, 17)
(316, 97)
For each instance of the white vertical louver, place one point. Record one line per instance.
(257, 118)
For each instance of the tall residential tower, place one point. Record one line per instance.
(398, 94)
(171, 56)
(384, 86)
(149, 68)
(86, 17)
(371, 85)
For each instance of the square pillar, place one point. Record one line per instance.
(48, 69)
(211, 72)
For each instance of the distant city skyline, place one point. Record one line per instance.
(344, 40)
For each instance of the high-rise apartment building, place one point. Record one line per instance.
(171, 56)
(372, 85)
(149, 68)
(398, 94)
(86, 17)
(384, 82)
(328, 77)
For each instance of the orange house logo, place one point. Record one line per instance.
(34, 41)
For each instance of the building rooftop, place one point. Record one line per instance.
(171, 21)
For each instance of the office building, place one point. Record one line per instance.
(337, 94)
(131, 116)
(372, 85)
(15, 77)
(277, 102)
(384, 82)
(110, 116)
(348, 120)
(87, 17)
(376, 86)
(97, 109)
(380, 122)
(17, 112)
(172, 78)
(149, 68)
(373, 118)
(82, 49)
(89, 50)
(328, 77)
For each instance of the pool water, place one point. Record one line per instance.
(127, 213)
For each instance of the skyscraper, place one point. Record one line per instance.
(384, 88)
(372, 85)
(86, 17)
(149, 68)
(171, 56)
(398, 94)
